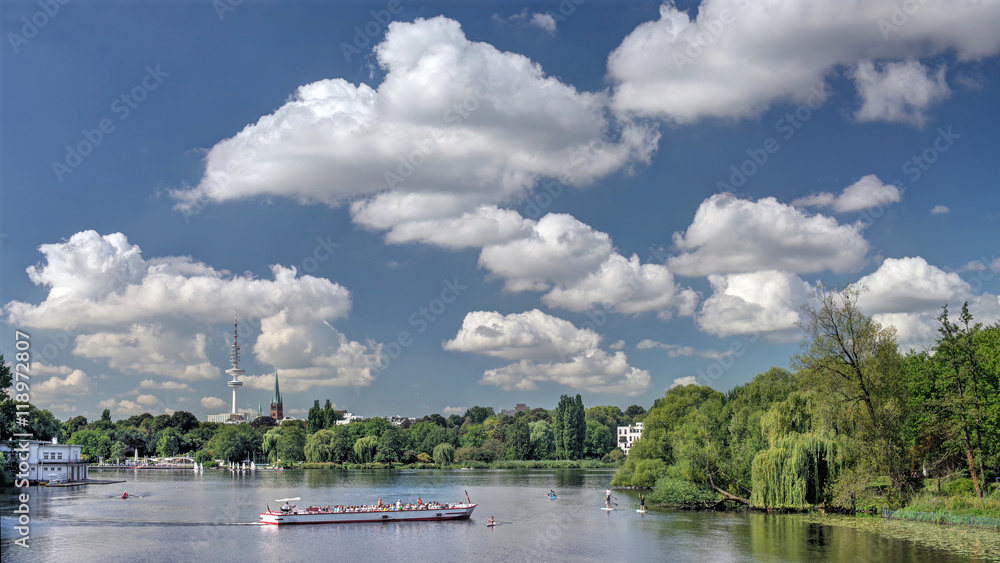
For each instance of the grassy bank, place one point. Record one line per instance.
(952, 503)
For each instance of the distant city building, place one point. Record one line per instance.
(401, 420)
(277, 407)
(520, 407)
(228, 418)
(50, 461)
(627, 435)
(349, 417)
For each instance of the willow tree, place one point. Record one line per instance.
(365, 449)
(802, 459)
(854, 363)
(444, 454)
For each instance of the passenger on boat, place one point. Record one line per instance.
(285, 507)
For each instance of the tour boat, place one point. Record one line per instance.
(290, 514)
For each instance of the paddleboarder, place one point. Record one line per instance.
(642, 502)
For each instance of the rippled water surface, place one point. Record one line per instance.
(182, 516)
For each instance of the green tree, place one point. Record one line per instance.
(610, 416)
(517, 443)
(745, 405)
(477, 414)
(970, 385)
(183, 422)
(444, 454)
(72, 425)
(169, 443)
(854, 362)
(95, 443)
(135, 441)
(599, 440)
(391, 444)
(365, 449)
(316, 419)
(542, 441)
(118, 450)
(291, 444)
(802, 459)
(236, 443)
(196, 438)
(42, 424)
(634, 410)
(474, 436)
(319, 446)
(269, 443)
(570, 427)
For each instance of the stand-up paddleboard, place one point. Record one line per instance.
(641, 510)
(491, 525)
(606, 508)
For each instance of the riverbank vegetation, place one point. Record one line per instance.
(568, 436)
(855, 426)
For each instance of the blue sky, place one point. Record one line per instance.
(481, 204)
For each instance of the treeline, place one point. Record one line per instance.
(568, 432)
(855, 425)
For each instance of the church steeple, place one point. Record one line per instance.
(277, 407)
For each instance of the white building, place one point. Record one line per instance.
(350, 417)
(397, 420)
(48, 461)
(627, 435)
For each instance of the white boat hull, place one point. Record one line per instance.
(279, 518)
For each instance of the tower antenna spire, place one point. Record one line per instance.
(235, 371)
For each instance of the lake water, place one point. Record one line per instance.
(182, 516)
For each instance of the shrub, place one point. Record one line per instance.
(672, 491)
(961, 486)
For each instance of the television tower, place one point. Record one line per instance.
(235, 370)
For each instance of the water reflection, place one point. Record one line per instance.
(211, 516)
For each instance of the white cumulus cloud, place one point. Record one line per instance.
(866, 193)
(736, 57)
(153, 316)
(212, 403)
(765, 303)
(529, 335)
(455, 122)
(898, 91)
(733, 235)
(550, 349)
(594, 371)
